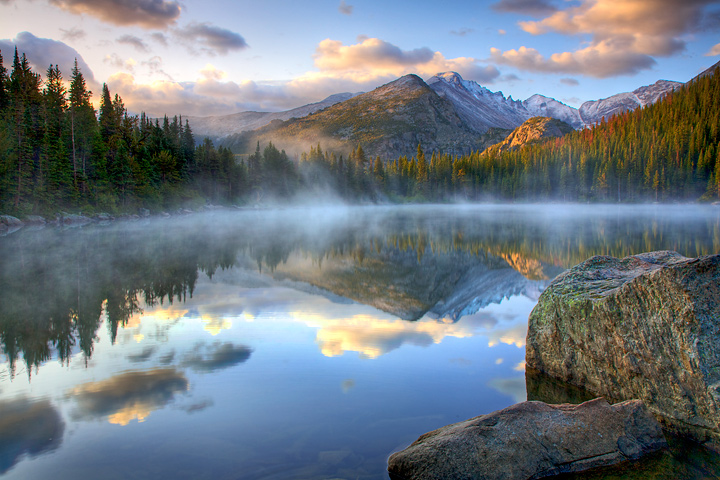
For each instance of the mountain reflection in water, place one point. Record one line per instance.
(303, 319)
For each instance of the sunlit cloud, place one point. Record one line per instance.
(372, 59)
(128, 396)
(372, 337)
(216, 325)
(144, 13)
(625, 36)
(601, 61)
(715, 50)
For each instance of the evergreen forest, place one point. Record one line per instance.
(57, 152)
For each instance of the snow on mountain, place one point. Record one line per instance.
(593, 111)
(542, 106)
(479, 108)
(482, 109)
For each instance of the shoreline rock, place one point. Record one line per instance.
(532, 440)
(646, 327)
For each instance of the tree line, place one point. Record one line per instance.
(57, 151)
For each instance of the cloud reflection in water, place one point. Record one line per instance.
(129, 395)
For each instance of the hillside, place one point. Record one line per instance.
(220, 126)
(388, 121)
(533, 130)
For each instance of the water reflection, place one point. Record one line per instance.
(28, 428)
(408, 262)
(345, 333)
(128, 396)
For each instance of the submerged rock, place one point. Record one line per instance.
(646, 326)
(532, 440)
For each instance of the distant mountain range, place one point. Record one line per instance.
(446, 113)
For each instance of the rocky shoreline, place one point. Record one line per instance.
(10, 224)
(643, 330)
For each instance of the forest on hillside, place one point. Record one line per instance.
(57, 152)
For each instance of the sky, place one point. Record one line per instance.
(217, 57)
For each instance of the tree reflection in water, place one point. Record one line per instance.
(59, 286)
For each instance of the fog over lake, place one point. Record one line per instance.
(294, 343)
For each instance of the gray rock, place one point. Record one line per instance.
(646, 326)
(532, 440)
(71, 219)
(35, 220)
(10, 221)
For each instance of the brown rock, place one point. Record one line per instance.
(532, 440)
(644, 327)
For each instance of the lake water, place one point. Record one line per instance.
(299, 343)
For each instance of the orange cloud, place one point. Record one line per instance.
(625, 35)
(143, 13)
(373, 58)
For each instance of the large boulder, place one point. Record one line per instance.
(646, 327)
(532, 440)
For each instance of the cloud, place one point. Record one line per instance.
(116, 61)
(599, 61)
(345, 9)
(160, 38)
(462, 32)
(715, 50)
(202, 97)
(373, 59)
(513, 387)
(571, 82)
(28, 428)
(214, 40)
(73, 34)
(135, 42)
(41, 52)
(624, 36)
(128, 396)
(360, 67)
(144, 13)
(154, 66)
(217, 356)
(535, 8)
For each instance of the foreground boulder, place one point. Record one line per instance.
(532, 440)
(646, 327)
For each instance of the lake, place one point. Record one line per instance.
(300, 343)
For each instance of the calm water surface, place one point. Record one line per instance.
(300, 343)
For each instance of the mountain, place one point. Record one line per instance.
(389, 121)
(447, 114)
(220, 126)
(533, 130)
(542, 106)
(483, 109)
(594, 111)
(479, 108)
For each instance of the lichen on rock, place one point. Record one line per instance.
(646, 327)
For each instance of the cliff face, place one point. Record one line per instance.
(644, 327)
(533, 130)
